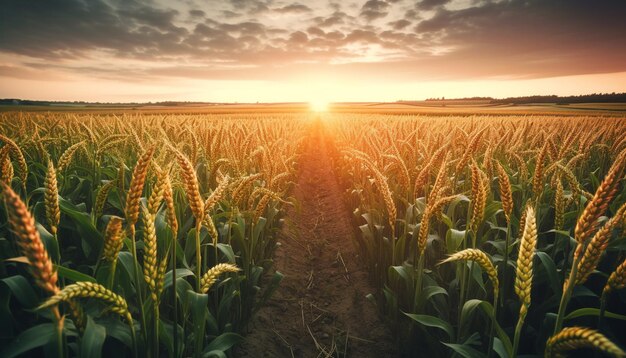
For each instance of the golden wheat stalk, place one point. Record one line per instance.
(439, 183)
(68, 154)
(483, 261)
(471, 148)
(438, 205)
(588, 221)
(506, 194)
(158, 191)
(559, 205)
(78, 316)
(6, 166)
(210, 225)
(573, 183)
(120, 180)
(18, 156)
(538, 175)
(51, 199)
(572, 338)
(210, 277)
(217, 194)
(113, 239)
(160, 281)
(168, 197)
(571, 164)
(479, 198)
(617, 279)
(86, 289)
(383, 187)
(136, 187)
(239, 190)
(420, 180)
(598, 243)
(29, 241)
(150, 259)
(101, 199)
(190, 181)
(488, 161)
(524, 272)
(276, 181)
(521, 165)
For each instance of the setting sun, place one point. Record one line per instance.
(319, 105)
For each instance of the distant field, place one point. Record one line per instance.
(418, 107)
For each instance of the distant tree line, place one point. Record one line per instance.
(460, 99)
(585, 98)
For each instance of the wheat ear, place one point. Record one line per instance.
(559, 205)
(598, 243)
(51, 199)
(18, 156)
(571, 338)
(158, 191)
(506, 195)
(210, 277)
(113, 239)
(479, 198)
(190, 181)
(150, 252)
(588, 220)
(6, 166)
(524, 273)
(29, 241)
(538, 175)
(217, 194)
(483, 261)
(168, 197)
(101, 199)
(617, 279)
(68, 154)
(136, 187)
(87, 289)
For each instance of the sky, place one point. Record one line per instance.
(282, 51)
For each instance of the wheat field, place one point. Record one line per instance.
(148, 234)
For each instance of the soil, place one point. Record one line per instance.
(320, 308)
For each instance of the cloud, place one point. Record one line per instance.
(58, 29)
(534, 38)
(197, 13)
(337, 18)
(374, 9)
(515, 38)
(293, 8)
(230, 14)
(429, 4)
(399, 24)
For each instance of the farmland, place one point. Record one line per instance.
(367, 230)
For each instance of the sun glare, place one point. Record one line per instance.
(318, 105)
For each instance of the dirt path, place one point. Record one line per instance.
(320, 308)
